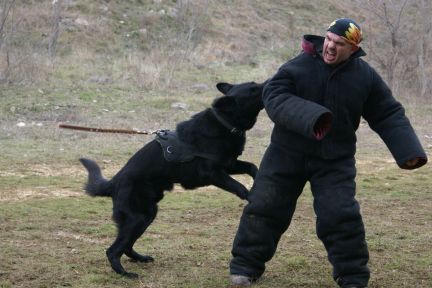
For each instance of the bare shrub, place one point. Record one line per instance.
(171, 37)
(398, 34)
(144, 72)
(4, 51)
(55, 27)
(22, 55)
(191, 18)
(154, 69)
(387, 43)
(424, 48)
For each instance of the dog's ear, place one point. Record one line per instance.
(225, 103)
(224, 87)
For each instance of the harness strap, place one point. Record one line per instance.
(178, 151)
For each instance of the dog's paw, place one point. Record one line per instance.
(130, 275)
(145, 259)
(136, 257)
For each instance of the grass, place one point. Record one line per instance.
(52, 235)
(191, 242)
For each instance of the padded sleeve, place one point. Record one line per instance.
(292, 112)
(386, 117)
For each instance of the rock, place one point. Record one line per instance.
(200, 87)
(81, 22)
(172, 12)
(100, 79)
(179, 105)
(142, 31)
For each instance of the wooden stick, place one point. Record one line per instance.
(105, 130)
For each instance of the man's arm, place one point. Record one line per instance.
(294, 113)
(387, 117)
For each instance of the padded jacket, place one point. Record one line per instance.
(305, 89)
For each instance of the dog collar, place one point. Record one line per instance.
(226, 124)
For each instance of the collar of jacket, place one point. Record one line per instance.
(313, 45)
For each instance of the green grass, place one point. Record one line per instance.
(52, 235)
(51, 242)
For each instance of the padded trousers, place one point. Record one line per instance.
(272, 201)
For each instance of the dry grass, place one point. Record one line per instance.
(150, 46)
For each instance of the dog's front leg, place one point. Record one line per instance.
(222, 180)
(242, 167)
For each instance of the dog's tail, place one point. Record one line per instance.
(96, 185)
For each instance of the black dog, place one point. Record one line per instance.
(201, 151)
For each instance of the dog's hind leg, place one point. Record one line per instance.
(131, 225)
(117, 249)
(138, 231)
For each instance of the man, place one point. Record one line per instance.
(316, 101)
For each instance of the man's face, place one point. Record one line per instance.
(336, 49)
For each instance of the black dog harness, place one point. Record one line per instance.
(175, 150)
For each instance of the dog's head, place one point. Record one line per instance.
(240, 104)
